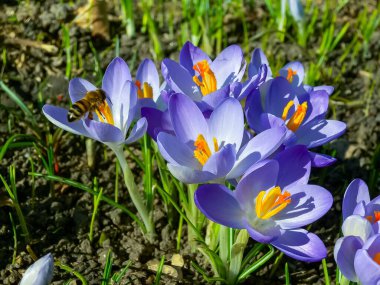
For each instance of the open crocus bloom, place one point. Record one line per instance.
(111, 125)
(40, 272)
(278, 103)
(202, 150)
(272, 201)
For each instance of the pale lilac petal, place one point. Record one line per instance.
(295, 167)
(218, 204)
(175, 151)
(344, 253)
(190, 55)
(78, 87)
(260, 177)
(104, 132)
(298, 68)
(124, 112)
(264, 232)
(301, 245)
(214, 99)
(319, 132)
(280, 92)
(58, 116)
(227, 65)
(355, 193)
(221, 162)
(190, 175)
(360, 209)
(117, 73)
(367, 270)
(226, 123)
(147, 72)
(328, 89)
(179, 79)
(40, 272)
(308, 204)
(188, 121)
(138, 130)
(321, 160)
(357, 226)
(258, 148)
(317, 106)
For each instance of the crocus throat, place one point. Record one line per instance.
(144, 91)
(290, 75)
(104, 113)
(208, 83)
(374, 218)
(297, 118)
(270, 203)
(202, 151)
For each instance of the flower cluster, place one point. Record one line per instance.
(206, 136)
(357, 253)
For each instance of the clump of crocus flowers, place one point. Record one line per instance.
(256, 155)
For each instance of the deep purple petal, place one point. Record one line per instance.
(253, 111)
(104, 132)
(258, 148)
(308, 204)
(58, 116)
(227, 65)
(265, 232)
(280, 92)
(301, 245)
(318, 105)
(218, 204)
(117, 73)
(155, 121)
(319, 132)
(190, 175)
(147, 72)
(221, 162)
(190, 55)
(138, 130)
(356, 192)
(78, 87)
(358, 226)
(295, 166)
(179, 79)
(344, 253)
(258, 58)
(321, 160)
(298, 68)
(188, 121)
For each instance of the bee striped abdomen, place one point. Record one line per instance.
(78, 110)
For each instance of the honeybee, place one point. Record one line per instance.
(89, 103)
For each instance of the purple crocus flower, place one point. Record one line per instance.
(202, 150)
(279, 103)
(40, 272)
(111, 125)
(272, 202)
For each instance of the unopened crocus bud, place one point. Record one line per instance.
(40, 272)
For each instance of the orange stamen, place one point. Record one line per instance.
(376, 258)
(286, 109)
(269, 203)
(375, 218)
(290, 75)
(296, 120)
(208, 83)
(104, 113)
(202, 151)
(145, 92)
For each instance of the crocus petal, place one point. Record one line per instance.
(147, 72)
(280, 92)
(218, 204)
(104, 132)
(328, 89)
(179, 79)
(214, 99)
(117, 73)
(190, 55)
(124, 111)
(221, 162)
(308, 204)
(227, 65)
(188, 121)
(301, 245)
(190, 175)
(175, 151)
(318, 105)
(258, 58)
(154, 118)
(261, 176)
(258, 148)
(78, 87)
(319, 132)
(264, 231)
(253, 111)
(298, 68)
(321, 160)
(226, 123)
(344, 253)
(295, 166)
(367, 270)
(356, 192)
(58, 116)
(138, 130)
(40, 272)
(357, 226)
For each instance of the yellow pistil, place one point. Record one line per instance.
(290, 75)
(202, 151)
(208, 83)
(286, 109)
(299, 115)
(144, 91)
(104, 113)
(376, 258)
(375, 218)
(271, 203)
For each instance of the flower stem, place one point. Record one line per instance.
(192, 213)
(134, 194)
